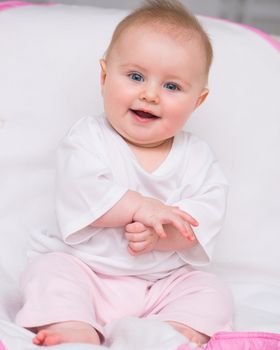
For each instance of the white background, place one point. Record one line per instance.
(263, 14)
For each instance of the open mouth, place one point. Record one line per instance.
(144, 115)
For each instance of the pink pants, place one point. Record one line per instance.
(59, 287)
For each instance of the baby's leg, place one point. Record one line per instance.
(192, 335)
(66, 332)
(58, 294)
(194, 303)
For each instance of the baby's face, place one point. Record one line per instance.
(151, 83)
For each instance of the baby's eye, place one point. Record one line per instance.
(172, 86)
(136, 76)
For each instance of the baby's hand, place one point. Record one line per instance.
(141, 239)
(154, 214)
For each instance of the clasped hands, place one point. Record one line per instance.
(152, 222)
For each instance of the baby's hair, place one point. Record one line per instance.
(169, 15)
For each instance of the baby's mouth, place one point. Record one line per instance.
(144, 115)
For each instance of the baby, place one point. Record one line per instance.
(140, 202)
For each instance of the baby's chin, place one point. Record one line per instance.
(137, 141)
(147, 144)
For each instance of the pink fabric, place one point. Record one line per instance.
(6, 5)
(273, 42)
(240, 341)
(10, 4)
(59, 287)
(2, 347)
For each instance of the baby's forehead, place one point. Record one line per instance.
(149, 30)
(172, 30)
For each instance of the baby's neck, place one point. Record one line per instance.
(157, 144)
(151, 156)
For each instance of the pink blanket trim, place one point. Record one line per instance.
(5, 5)
(273, 42)
(240, 341)
(2, 347)
(10, 4)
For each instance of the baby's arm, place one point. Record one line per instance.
(142, 239)
(148, 211)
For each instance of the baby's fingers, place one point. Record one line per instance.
(137, 247)
(135, 237)
(134, 253)
(187, 217)
(184, 229)
(135, 227)
(158, 227)
(189, 234)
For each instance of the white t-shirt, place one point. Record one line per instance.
(95, 169)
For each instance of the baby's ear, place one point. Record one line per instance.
(202, 97)
(103, 65)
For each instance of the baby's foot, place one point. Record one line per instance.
(195, 339)
(191, 346)
(66, 332)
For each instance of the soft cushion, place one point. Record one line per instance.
(49, 78)
(240, 341)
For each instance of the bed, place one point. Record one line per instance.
(49, 78)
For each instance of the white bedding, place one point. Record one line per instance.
(49, 77)
(128, 333)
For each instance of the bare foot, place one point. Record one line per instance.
(66, 332)
(191, 334)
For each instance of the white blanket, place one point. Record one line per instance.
(126, 334)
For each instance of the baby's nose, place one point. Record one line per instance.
(150, 94)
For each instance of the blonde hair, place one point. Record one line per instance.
(170, 15)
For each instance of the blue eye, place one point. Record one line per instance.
(171, 86)
(136, 77)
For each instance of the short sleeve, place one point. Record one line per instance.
(204, 196)
(85, 186)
